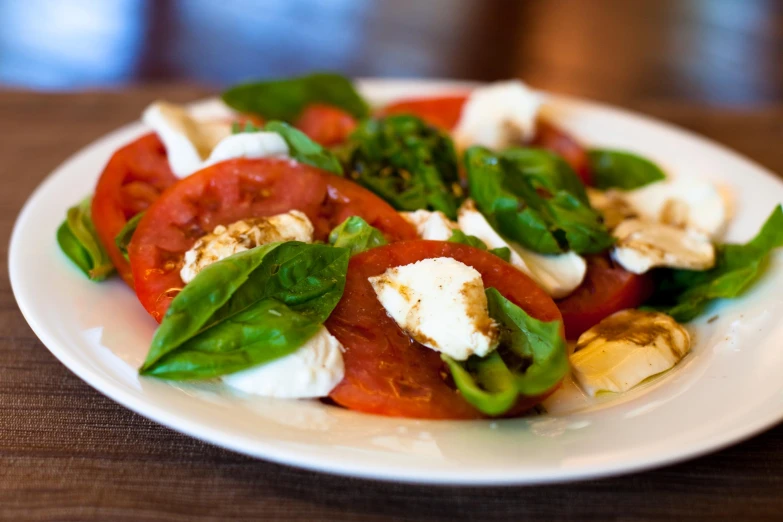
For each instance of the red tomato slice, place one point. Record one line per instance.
(388, 373)
(240, 189)
(444, 112)
(325, 124)
(606, 289)
(131, 181)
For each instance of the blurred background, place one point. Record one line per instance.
(717, 52)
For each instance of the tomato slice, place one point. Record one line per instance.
(131, 181)
(606, 289)
(325, 124)
(241, 189)
(444, 112)
(388, 373)
(441, 111)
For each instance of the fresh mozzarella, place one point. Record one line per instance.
(642, 245)
(625, 348)
(225, 241)
(557, 275)
(249, 145)
(498, 115)
(192, 144)
(440, 303)
(188, 141)
(431, 225)
(311, 371)
(684, 203)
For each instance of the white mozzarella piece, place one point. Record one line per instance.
(440, 303)
(684, 203)
(642, 245)
(612, 206)
(431, 225)
(557, 275)
(249, 145)
(626, 348)
(311, 371)
(498, 115)
(188, 141)
(225, 241)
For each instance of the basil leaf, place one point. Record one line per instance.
(622, 170)
(530, 360)
(125, 235)
(684, 294)
(305, 150)
(78, 239)
(508, 187)
(406, 162)
(286, 98)
(458, 236)
(356, 235)
(247, 309)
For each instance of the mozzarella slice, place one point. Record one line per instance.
(557, 275)
(684, 203)
(625, 348)
(642, 245)
(498, 115)
(249, 145)
(440, 303)
(188, 141)
(311, 371)
(225, 241)
(431, 225)
(192, 144)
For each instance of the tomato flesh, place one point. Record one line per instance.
(132, 180)
(388, 373)
(606, 289)
(444, 112)
(325, 124)
(239, 189)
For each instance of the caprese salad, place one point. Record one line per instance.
(426, 259)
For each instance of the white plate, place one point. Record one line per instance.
(728, 389)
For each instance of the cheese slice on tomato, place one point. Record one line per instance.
(192, 144)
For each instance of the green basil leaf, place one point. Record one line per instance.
(247, 309)
(530, 360)
(305, 150)
(406, 162)
(356, 235)
(79, 241)
(534, 198)
(286, 98)
(684, 294)
(622, 170)
(458, 236)
(125, 235)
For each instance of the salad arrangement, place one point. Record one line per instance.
(430, 258)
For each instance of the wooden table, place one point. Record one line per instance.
(68, 453)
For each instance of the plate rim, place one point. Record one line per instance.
(267, 451)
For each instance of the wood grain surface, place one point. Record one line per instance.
(68, 453)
